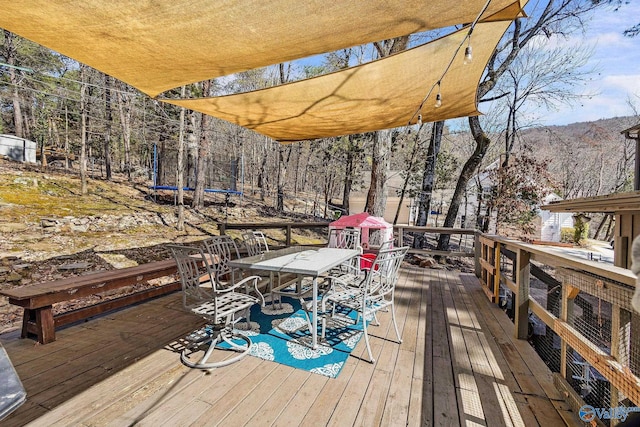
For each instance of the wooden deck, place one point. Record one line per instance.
(457, 365)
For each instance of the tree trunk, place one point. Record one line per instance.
(283, 161)
(414, 156)
(107, 132)
(428, 181)
(124, 107)
(180, 172)
(482, 144)
(160, 150)
(600, 226)
(380, 159)
(428, 177)
(10, 52)
(203, 145)
(377, 196)
(348, 180)
(262, 174)
(83, 131)
(67, 164)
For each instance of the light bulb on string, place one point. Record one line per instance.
(438, 98)
(468, 55)
(468, 51)
(419, 121)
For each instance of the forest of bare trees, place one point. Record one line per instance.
(81, 118)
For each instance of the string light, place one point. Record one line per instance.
(419, 122)
(438, 97)
(468, 58)
(468, 51)
(468, 54)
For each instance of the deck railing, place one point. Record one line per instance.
(584, 305)
(462, 239)
(287, 227)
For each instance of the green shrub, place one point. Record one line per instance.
(566, 234)
(580, 229)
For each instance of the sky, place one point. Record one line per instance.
(617, 59)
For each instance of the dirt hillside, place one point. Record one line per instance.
(49, 231)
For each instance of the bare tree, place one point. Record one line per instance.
(203, 149)
(381, 149)
(83, 130)
(180, 166)
(124, 108)
(429, 174)
(108, 122)
(10, 53)
(552, 18)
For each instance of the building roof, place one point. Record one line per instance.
(611, 203)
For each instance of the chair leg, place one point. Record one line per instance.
(395, 325)
(366, 340)
(224, 335)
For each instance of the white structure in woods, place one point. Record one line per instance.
(552, 222)
(18, 149)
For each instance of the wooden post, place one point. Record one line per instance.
(400, 238)
(223, 228)
(288, 240)
(620, 340)
(478, 251)
(523, 268)
(569, 294)
(496, 278)
(40, 323)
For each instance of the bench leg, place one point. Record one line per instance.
(39, 322)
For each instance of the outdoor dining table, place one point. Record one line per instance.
(305, 262)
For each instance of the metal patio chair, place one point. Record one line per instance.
(255, 242)
(365, 294)
(221, 250)
(220, 305)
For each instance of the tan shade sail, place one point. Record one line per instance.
(379, 95)
(156, 45)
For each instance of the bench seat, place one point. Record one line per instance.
(38, 299)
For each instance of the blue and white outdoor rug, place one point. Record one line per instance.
(282, 335)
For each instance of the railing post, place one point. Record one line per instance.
(223, 228)
(569, 294)
(523, 268)
(400, 236)
(478, 251)
(496, 278)
(288, 239)
(620, 339)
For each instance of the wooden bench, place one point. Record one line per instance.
(37, 300)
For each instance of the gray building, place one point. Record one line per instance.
(18, 149)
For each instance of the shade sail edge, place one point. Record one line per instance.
(160, 45)
(379, 95)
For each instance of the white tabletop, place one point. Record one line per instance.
(301, 260)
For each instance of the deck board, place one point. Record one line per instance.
(458, 364)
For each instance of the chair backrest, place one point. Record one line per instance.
(383, 275)
(196, 275)
(262, 240)
(344, 238)
(255, 242)
(222, 249)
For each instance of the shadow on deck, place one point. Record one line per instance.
(457, 365)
